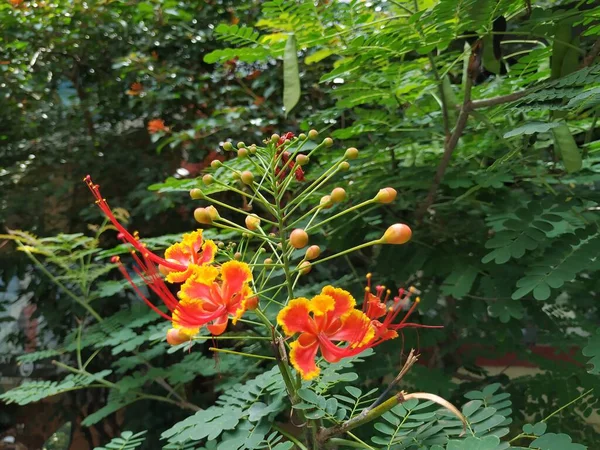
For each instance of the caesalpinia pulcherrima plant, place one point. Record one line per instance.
(215, 284)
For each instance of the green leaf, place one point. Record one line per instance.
(592, 349)
(291, 76)
(460, 281)
(552, 441)
(531, 128)
(564, 142)
(474, 443)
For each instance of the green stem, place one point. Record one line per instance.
(249, 355)
(340, 214)
(290, 437)
(345, 252)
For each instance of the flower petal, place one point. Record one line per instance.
(198, 286)
(207, 256)
(190, 316)
(180, 277)
(295, 317)
(178, 252)
(303, 357)
(355, 328)
(322, 304)
(218, 326)
(344, 302)
(234, 275)
(239, 308)
(193, 241)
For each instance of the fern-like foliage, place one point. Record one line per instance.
(127, 441)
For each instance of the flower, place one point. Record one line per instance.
(207, 300)
(156, 126)
(136, 89)
(327, 318)
(180, 258)
(375, 307)
(285, 160)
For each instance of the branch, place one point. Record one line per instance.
(499, 100)
(589, 58)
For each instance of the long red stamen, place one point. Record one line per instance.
(103, 205)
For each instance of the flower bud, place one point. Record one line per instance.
(247, 177)
(252, 149)
(326, 202)
(328, 142)
(275, 138)
(202, 216)
(237, 256)
(312, 134)
(242, 153)
(241, 145)
(208, 179)
(196, 194)
(227, 146)
(246, 235)
(164, 270)
(299, 238)
(351, 153)
(397, 234)
(312, 252)
(302, 136)
(344, 166)
(302, 160)
(215, 164)
(305, 267)
(268, 261)
(213, 213)
(221, 244)
(235, 175)
(262, 250)
(252, 303)
(338, 195)
(386, 195)
(252, 222)
(176, 337)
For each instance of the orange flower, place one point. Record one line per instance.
(180, 258)
(327, 318)
(135, 89)
(16, 3)
(156, 125)
(375, 307)
(206, 300)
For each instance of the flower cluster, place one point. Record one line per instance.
(329, 322)
(209, 294)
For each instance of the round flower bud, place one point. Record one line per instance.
(202, 216)
(196, 194)
(302, 136)
(326, 202)
(252, 149)
(344, 166)
(397, 234)
(235, 175)
(328, 142)
(268, 261)
(213, 213)
(351, 153)
(247, 177)
(176, 337)
(242, 153)
(312, 134)
(241, 145)
(221, 244)
(262, 250)
(312, 252)
(246, 235)
(227, 146)
(164, 270)
(338, 195)
(275, 138)
(305, 267)
(252, 303)
(252, 222)
(386, 195)
(299, 238)
(215, 164)
(237, 256)
(208, 179)
(302, 160)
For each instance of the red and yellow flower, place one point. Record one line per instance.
(375, 306)
(156, 126)
(323, 321)
(210, 296)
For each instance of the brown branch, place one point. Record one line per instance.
(499, 100)
(449, 147)
(589, 58)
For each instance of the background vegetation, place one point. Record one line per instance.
(482, 114)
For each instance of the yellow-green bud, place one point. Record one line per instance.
(196, 194)
(176, 337)
(326, 202)
(299, 238)
(208, 179)
(275, 138)
(398, 233)
(328, 142)
(302, 160)
(215, 164)
(312, 252)
(252, 222)
(302, 136)
(227, 146)
(305, 267)
(351, 153)
(213, 213)
(202, 216)
(242, 153)
(247, 177)
(237, 256)
(344, 166)
(268, 261)
(312, 134)
(386, 195)
(241, 145)
(338, 195)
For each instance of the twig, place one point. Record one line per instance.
(591, 55)
(410, 361)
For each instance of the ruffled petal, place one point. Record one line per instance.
(180, 277)
(178, 252)
(198, 286)
(193, 241)
(322, 304)
(355, 328)
(302, 356)
(295, 317)
(218, 326)
(190, 316)
(234, 274)
(207, 256)
(239, 308)
(344, 302)
(332, 353)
